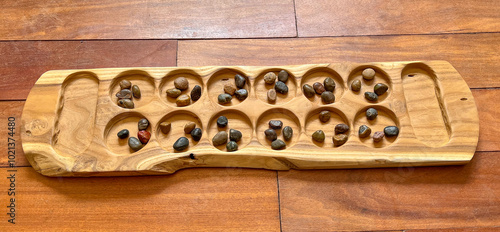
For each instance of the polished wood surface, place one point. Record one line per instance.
(428, 101)
(460, 198)
(138, 19)
(379, 17)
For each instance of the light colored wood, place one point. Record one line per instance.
(56, 147)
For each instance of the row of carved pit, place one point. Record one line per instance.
(250, 129)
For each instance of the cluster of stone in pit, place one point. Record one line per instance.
(280, 86)
(143, 135)
(378, 90)
(272, 135)
(238, 90)
(181, 84)
(222, 137)
(127, 93)
(364, 131)
(325, 90)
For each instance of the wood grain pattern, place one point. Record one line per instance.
(24, 62)
(359, 17)
(489, 124)
(486, 100)
(11, 109)
(152, 19)
(476, 56)
(467, 229)
(215, 199)
(393, 199)
(66, 150)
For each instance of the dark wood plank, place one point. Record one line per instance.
(393, 199)
(475, 56)
(215, 199)
(11, 109)
(489, 126)
(379, 17)
(152, 19)
(22, 63)
(469, 229)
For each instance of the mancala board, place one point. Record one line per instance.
(71, 118)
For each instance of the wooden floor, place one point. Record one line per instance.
(37, 36)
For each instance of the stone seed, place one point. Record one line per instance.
(183, 100)
(165, 127)
(240, 81)
(173, 93)
(241, 94)
(341, 128)
(189, 127)
(124, 93)
(380, 88)
(318, 136)
(339, 140)
(371, 96)
(308, 91)
(136, 92)
(324, 116)
(391, 131)
(378, 136)
(196, 134)
(275, 124)
(368, 74)
(134, 144)
(196, 93)
(126, 103)
(181, 144)
(283, 76)
(144, 136)
(235, 135)
(364, 131)
(281, 87)
(319, 88)
(143, 124)
(124, 84)
(270, 135)
(371, 113)
(356, 85)
(222, 121)
(181, 83)
(123, 134)
(287, 133)
(329, 84)
(229, 89)
(231, 146)
(219, 138)
(327, 97)
(278, 144)
(224, 98)
(271, 95)
(270, 78)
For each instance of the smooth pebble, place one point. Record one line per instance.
(278, 144)
(144, 136)
(165, 127)
(380, 88)
(371, 113)
(224, 98)
(368, 74)
(371, 96)
(318, 88)
(391, 131)
(324, 116)
(136, 92)
(181, 144)
(183, 100)
(231, 146)
(329, 84)
(270, 134)
(281, 87)
(339, 140)
(271, 95)
(241, 94)
(356, 85)
(123, 134)
(235, 135)
(174, 93)
(124, 93)
(287, 133)
(222, 121)
(378, 136)
(275, 124)
(308, 91)
(318, 136)
(341, 128)
(364, 131)
(124, 84)
(189, 127)
(240, 81)
(283, 76)
(181, 83)
(196, 134)
(219, 138)
(134, 143)
(143, 124)
(327, 97)
(196, 93)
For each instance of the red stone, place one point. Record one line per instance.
(144, 136)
